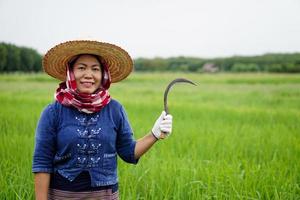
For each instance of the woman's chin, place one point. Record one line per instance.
(87, 90)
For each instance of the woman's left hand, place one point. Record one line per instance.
(163, 126)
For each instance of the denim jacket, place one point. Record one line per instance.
(69, 142)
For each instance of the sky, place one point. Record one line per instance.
(157, 28)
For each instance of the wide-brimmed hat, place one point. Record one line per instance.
(118, 61)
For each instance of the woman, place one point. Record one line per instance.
(79, 136)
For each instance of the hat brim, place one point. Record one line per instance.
(118, 61)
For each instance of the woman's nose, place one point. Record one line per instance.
(88, 73)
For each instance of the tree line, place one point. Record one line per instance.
(14, 58)
(24, 59)
(288, 63)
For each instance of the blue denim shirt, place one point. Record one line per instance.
(69, 142)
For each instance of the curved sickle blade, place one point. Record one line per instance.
(178, 80)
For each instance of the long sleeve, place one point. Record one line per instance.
(125, 141)
(45, 141)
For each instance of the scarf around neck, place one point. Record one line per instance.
(68, 95)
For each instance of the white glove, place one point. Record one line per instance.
(162, 126)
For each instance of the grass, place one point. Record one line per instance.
(235, 136)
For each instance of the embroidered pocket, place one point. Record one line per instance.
(60, 159)
(110, 162)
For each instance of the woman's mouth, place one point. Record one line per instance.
(87, 84)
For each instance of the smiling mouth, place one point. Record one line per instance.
(87, 84)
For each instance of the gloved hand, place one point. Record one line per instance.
(163, 126)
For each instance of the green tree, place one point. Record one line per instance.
(27, 59)
(275, 68)
(37, 66)
(3, 57)
(13, 58)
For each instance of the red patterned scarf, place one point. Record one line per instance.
(67, 93)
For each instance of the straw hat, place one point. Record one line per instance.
(119, 62)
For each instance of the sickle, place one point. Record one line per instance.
(177, 80)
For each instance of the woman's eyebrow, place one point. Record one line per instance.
(87, 65)
(82, 64)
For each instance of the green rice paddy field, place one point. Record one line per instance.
(235, 136)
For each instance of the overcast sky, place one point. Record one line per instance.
(149, 28)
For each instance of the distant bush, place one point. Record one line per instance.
(241, 67)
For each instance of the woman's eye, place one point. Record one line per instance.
(80, 67)
(96, 69)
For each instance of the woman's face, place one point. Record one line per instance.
(87, 71)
